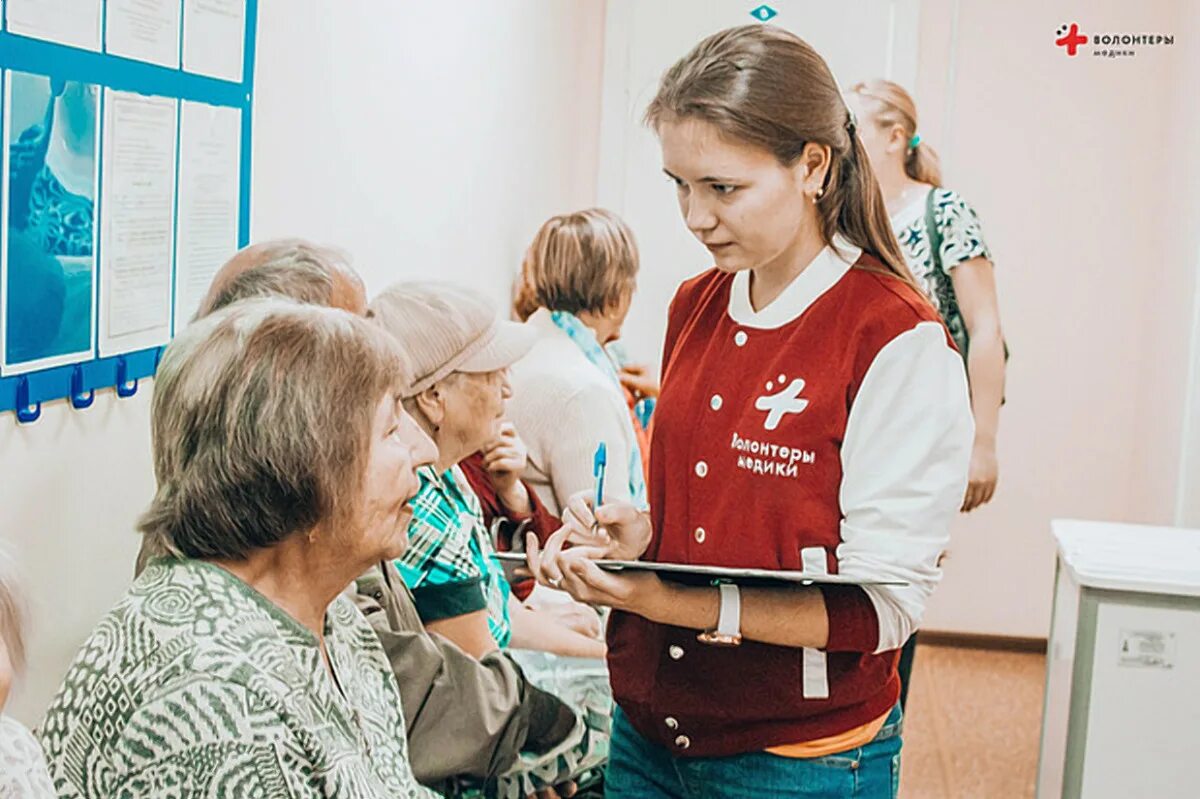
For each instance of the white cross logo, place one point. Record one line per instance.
(786, 400)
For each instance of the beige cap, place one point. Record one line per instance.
(444, 328)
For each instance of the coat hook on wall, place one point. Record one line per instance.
(80, 399)
(26, 411)
(125, 387)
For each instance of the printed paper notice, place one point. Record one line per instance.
(71, 22)
(146, 30)
(209, 164)
(214, 33)
(136, 245)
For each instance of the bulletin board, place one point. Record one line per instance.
(125, 184)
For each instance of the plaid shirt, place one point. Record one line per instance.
(450, 564)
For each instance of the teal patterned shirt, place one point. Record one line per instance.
(195, 685)
(450, 564)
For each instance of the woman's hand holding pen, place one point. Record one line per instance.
(617, 530)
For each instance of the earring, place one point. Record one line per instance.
(818, 194)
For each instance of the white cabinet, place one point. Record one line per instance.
(1122, 706)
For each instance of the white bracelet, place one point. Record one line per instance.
(729, 621)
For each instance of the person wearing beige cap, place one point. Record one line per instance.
(459, 352)
(501, 720)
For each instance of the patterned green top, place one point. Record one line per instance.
(450, 564)
(195, 685)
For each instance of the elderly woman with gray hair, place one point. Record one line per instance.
(285, 465)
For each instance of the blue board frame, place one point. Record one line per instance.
(78, 383)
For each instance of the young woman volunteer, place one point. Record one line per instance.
(813, 415)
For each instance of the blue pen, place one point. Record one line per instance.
(599, 465)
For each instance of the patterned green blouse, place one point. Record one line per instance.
(197, 685)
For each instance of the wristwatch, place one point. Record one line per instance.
(729, 619)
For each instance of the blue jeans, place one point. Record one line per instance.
(639, 769)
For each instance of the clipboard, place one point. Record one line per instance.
(711, 575)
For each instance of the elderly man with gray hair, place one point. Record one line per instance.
(466, 719)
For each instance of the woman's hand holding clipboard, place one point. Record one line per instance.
(597, 531)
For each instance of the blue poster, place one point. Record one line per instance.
(49, 256)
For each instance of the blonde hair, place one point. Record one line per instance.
(261, 424)
(12, 613)
(767, 87)
(581, 262)
(895, 107)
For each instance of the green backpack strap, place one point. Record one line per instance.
(935, 253)
(932, 229)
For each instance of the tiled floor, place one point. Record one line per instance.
(973, 726)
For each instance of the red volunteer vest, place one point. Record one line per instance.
(745, 471)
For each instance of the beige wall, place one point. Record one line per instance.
(429, 139)
(73, 485)
(1085, 174)
(1185, 222)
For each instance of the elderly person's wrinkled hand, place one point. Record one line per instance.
(505, 458)
(638, 378)
(572, 615)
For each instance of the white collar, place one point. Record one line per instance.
(825, 270)
(913, 210)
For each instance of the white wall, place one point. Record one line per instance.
(1082, 172)
(428, 139)
(1186, 221)
(72, 486)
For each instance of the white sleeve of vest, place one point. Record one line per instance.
(904, 474)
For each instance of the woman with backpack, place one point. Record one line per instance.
(942, 241)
